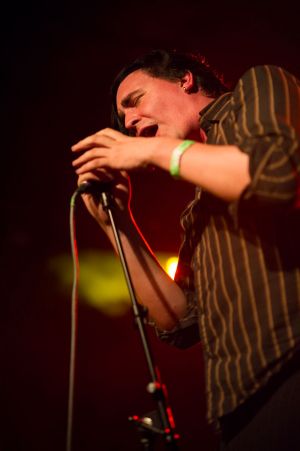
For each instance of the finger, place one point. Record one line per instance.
(107, 175)
(101, 175)
(111, 133)
(91, 165)
(86, 177)
(89, 155)
(92, 141)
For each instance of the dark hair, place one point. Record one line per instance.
(170, 65)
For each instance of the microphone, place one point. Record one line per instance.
(93, 187)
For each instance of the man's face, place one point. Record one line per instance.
(152, 106)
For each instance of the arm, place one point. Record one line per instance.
(221, 170)
(164, 299)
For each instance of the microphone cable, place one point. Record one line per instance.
(74, 320)
(95, 188)
(92, 187)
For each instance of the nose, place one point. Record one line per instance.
(131, 120)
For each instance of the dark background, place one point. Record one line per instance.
(58, 60)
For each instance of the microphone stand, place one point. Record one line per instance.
(160, 422)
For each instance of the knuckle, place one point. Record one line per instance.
(103, 131)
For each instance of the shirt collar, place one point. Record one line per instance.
(210, 114)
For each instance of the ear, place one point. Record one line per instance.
(188, 82)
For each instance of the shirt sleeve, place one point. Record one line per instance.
(186, 333)
(266, 114)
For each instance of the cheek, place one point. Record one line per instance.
(160, 105)
(164, 107)
(154, 108)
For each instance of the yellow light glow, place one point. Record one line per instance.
(101, 282)
(171, 266)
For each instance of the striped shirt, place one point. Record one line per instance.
(239, 262)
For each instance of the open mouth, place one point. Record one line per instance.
(149, 131)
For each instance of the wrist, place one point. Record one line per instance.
(176, 155)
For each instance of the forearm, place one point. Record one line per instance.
(165, 301)
(221, 170)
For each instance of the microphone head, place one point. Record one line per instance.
(93, 187)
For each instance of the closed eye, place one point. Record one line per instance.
(134, 101)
